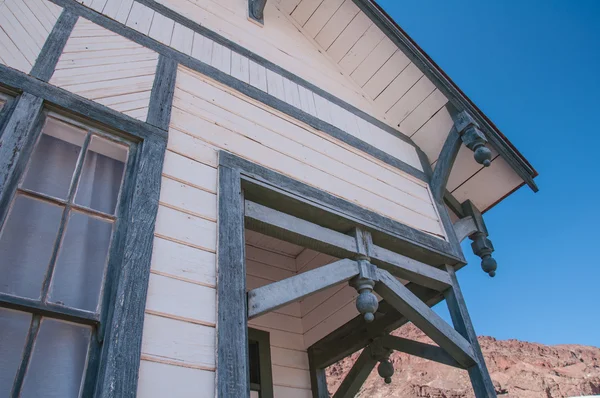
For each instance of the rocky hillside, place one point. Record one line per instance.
(518, 369)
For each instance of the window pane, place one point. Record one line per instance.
(26, 245)
(101, 175)
(58, 360)
(14, 326)
(53, 161)
(79, 271)
(254, 394)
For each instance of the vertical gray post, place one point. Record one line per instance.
(318, 379)
(480, 377)
(232, 338)
(16, 142)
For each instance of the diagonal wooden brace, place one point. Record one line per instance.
(425, 319)
(418, 349)
(358, 374)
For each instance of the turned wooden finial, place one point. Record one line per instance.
(366, 302)
(473, 138)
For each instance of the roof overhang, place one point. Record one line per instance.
(454, 94)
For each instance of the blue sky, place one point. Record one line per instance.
(534, 68)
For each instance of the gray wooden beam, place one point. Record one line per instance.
(409, 269)
(318, 378)
(418, 349)
(356, 333)
(16, 143)
(480, 377)
(356, 377)
(278, 294)
(53, 47)
(232, 333)
(424, 318)
(163, 90)
(304, 233)
(122, 347)
(444, 164)
(286, 227)
(464, 228)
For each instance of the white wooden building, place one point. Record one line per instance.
(223, 197)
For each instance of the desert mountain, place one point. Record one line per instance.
(518, 369)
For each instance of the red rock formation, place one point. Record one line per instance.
(518, 369)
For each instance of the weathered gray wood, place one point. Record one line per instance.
(418, 349)
(278, 294)
(464, 228)
(356, 333)
(53, 47)
(453, 204)
(48, 309)
(78, 9)
(16, 143)
(357, 375)
(163, 89)
(122, 346)
(232, 332)
(424, 318)
(448, 88)
(444, 164)
(318, 378)
(470, 210)
(480, 377)
(409, 269)
(283, 226)
(80, 106)
(256, 9)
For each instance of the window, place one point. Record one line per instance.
(259, 355)
(56, 242)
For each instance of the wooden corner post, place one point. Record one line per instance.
(233, 378)
(480, 377)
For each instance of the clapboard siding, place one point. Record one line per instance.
(278, 36)
(289, 359)
(24, 28)
(159, 380)
(107, 68)
(235, 123)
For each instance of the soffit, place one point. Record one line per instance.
(406, 97)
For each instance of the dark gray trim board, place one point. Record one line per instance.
(53, 47)
(271, 66)
(448, 88)
(72, 103)
(16, 143)
(232, 332)
(241, 86)
(163, 90)
(283, 193)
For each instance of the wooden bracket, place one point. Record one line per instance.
(481, 245)
(419, 313)
(256, 10)
(472, 136)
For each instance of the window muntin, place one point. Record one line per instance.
(54, 249)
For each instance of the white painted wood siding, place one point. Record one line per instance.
(289, 359)
(24, 28)
(228, 120)
(105, 67)
(273, 42)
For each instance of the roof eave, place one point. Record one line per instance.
(454, 94)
